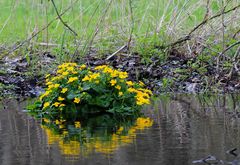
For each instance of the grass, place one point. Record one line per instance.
(106, 28)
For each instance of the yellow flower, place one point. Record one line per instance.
(49, 83)
(130, 83)
(64, 90)
(62, 105)
(120, 93)
(70, 69)
(47, 75)
(123, 75)
(45, 94)
(57, 122)
(101, 67)
(45, 105)
(71, 79)
(114, 73)
(113, 82)
(118, 87)
(77, 124)
(46, 120)
(56, 85)
(131, 90)
(83, 66)
(65, 73)
(56, 104)
(60, 98)
(86, 78)
(141, 83)
(97, 81)
(76, 100)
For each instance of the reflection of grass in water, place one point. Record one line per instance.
(76, 140)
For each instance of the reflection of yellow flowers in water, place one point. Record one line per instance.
(142, 123)
(105, 145)
(70, 148)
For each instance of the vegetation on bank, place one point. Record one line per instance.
(184, 43)
(77, 92)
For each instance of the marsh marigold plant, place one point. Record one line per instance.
(75, 91)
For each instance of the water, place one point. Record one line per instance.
(186, 129)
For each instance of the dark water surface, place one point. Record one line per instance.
(186, 128)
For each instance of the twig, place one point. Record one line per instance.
(87, 26)
(60, 18)
(189, 35)
(119, 50)
(235, 63)
(38, 32)
(235, 35)
(229, 47)
(132, 25)
(98, 24)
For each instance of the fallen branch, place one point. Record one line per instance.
(119, 50)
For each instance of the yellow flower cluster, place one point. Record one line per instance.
(91, 77)
(116, 140)
(72, 77)
(142, 95)
(113, 72)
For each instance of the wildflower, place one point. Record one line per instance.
(62, 105)
(97, 81)
(47, 75)
(86, 78)
(77, 124)
(49, 83)
(130, 83)
(56, 104)
(46, 120)
(113, 82)
(64, 90)
(71, 79)
(57, 122)
(60, 98)
(83, 66)
(60, 71)
(131, 90)
(118, 87)
(45, 94)
(56, 85)
(65, 73)
(120, 93)
(123, 75)
(114, 73)
(76, 100)
(101, 67)
(141, 83)
(70, 69)
(45, 105)
(74, 72)
(94, 76)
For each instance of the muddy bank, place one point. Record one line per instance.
(23, 77)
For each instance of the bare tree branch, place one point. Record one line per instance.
(60, 18)
(189, 35)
